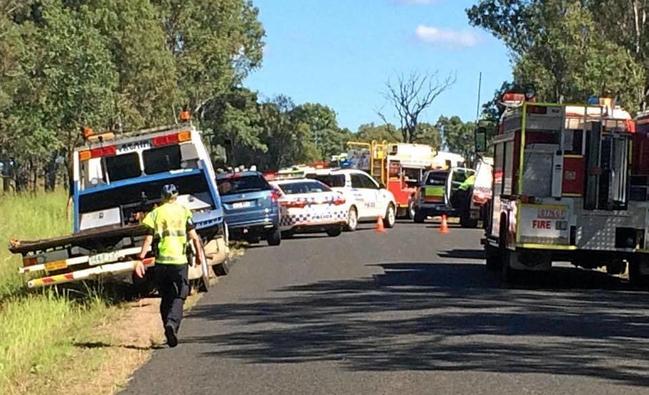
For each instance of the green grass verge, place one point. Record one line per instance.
(38, 329)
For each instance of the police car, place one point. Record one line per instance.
(310, 206)
(367, 199)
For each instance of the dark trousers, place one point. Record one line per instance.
(173, 285)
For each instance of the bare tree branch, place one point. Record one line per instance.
(411, 96)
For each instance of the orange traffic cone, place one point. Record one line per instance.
(443, 228)
(379, 228)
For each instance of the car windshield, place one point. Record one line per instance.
(436, 178)
(303, 187)
(241, 184)
(333, 180)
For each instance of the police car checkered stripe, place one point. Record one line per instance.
(305, 218)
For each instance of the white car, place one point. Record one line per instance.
(368, 200)
(310, 206)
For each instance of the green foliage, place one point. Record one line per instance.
(386, 132)
(328, 138)
(564, 49)
(458, 135)
(71, 63)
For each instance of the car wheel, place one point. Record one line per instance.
(288, 234)
(352, 220)
(334, 232)
(419, 217)
(222, 269)
(390, 216)
(411, 209)
(274, 237)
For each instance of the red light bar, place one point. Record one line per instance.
(109, 150)
(169, 139)
(165, 140)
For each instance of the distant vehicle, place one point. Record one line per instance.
(399, 166)
(481, 194)
(251, 206)
(116, 180)
(367, 199)
(446, 160)
(309, 206)
(440, 194)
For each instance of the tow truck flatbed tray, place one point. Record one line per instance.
(24, 246)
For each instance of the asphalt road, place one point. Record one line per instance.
(406, 312)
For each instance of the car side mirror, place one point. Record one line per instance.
(480, 139)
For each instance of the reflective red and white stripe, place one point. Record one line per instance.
(85, 274)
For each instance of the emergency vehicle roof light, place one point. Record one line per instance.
(109, 150)
(173, 138)
(512, 99)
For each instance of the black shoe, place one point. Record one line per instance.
(170, 333)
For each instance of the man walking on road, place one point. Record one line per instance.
(170, 224)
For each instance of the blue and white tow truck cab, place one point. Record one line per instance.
(117, 180)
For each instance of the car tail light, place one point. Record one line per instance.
(339, 201)
(275, 195)
(294, 204)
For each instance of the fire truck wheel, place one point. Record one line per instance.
(492, 258)
(352, 220)
(635, 273)
(390, 216)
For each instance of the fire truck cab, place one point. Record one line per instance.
(561, 191)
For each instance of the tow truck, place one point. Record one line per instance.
(561, 190)
(398, 166)
(116, 180)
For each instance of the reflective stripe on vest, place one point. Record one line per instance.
(169, 223)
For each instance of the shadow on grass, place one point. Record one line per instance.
(94, 345)
(444, 317)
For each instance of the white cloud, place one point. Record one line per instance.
(434, 35)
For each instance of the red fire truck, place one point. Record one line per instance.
(562, 190)
(398, 166)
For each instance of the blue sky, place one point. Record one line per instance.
(341, 53)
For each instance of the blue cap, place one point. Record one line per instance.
(169, 191)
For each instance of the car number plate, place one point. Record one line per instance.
(238, 205)
(103, 258)
(56, 265)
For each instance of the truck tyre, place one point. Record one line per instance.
(635, 274)
(274, 237)
(352, 220)
(390, 216)
(507, 273)
(419, 217)
(492, 258)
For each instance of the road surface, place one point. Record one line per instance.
(407, 312)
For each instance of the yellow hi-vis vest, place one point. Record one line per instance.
(169, 223)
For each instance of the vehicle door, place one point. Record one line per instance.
(366, 192)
